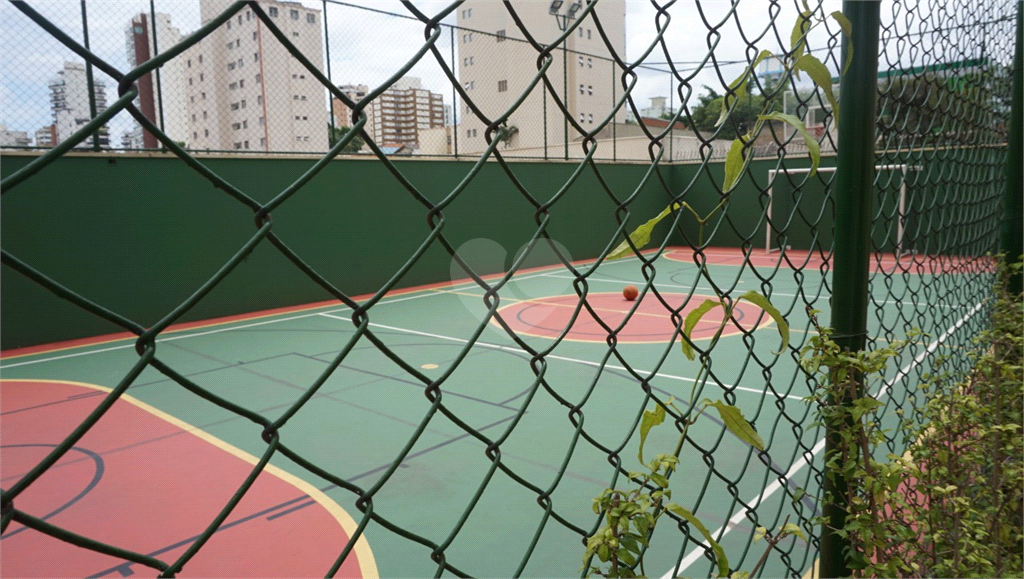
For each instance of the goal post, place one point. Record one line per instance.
(903, 168)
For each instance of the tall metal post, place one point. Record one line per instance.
(156, 52)
(854, 192)
(1012, 215)
(565, 96)
(456, 117)
(327, 59)
(91, 87)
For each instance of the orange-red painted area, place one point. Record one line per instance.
(143, 483)
(651, 322)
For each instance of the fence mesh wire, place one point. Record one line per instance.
(942, 128)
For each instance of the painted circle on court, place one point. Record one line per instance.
(548, 317)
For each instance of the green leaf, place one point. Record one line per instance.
(792, 529)
(759, 533)
(642, 235)
(692, 318)
(813, 149)
(848, 32)
(737, 424)
(650, 419)
(734, 160)
(738, 87)
(603, 553)
(723, 562)
(625, 556)
(763, 303)
(797, 40)
(821, 77)
(659, 480)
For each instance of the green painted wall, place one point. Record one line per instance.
(139, 234)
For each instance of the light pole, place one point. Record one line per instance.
(570, 14)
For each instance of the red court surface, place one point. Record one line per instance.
(651, 322)
(146, 482)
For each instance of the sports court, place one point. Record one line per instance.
(498, 449)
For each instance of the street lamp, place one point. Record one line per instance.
(570, 14)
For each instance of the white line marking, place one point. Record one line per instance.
(552, 356)
(180, 336)
(769, 490)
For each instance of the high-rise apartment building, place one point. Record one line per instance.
(47, 136)
(491, 54)
(10, 138)
(161, 100)
(246, 92)
(69, 99)
(342, 113)
(399, 114)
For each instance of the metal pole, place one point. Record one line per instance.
(615, 140)
(565, 98)
(156, 52)
(327, 55)
(1013, 216)
(88, 79)
(854, 190)
(455, 102)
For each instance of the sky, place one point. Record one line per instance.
(367, 47)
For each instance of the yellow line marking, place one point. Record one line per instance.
(364, 555)
(812, 573)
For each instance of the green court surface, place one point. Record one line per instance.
(449, 488)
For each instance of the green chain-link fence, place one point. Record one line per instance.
(894, 230)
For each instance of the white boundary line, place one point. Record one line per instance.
(553, 357)
(426, 292)
(698, 551)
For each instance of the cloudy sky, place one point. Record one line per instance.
(367, 46)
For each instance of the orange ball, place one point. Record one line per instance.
(630, 292)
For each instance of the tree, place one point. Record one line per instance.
(706, 112)
(335, 134)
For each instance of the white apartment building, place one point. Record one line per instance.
(163, 101)
(246, 92)
(9, 138)
(401, 113)
(69, 99)
(495, 68)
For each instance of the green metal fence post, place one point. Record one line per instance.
(156, 52)
(1013, 216)
(855, 169)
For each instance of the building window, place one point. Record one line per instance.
(204, 115)
(581, 32)
(294, 14)
(195, 135)
(257, 78)
(581, 117)
(590, 63)
(239, 19)
(202, 95)
(190, 63)
(234, 106)
(254, 36)
(206, 132)
(469, 132)
(236, 126)
(255, 57)
(273, 11)
(240, 62)
(263, 141)
(193, 117)
(581, 89)
(590, 118)
(581, 60)
(590, 89)
(200, 59)
(261, 121)
(202, 77)
(192, 99)
(295, 34)
(472, 84)
(466, 85)
(500, 36)
(471, 60)
(248, 17)
(245, 123)
(303, 97)
(311, 18)
(243, 103)
(465, 62)
(238, 42)
(295, 97)
(190, 81)
(246, 144)
(241, 83)
(231, 66)
(231, 45)
(502, 85)
(259, 99)
(233, 86)
(238, 145)
(588, 34)
(229, 25)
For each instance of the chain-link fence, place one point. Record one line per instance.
(535, 81)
